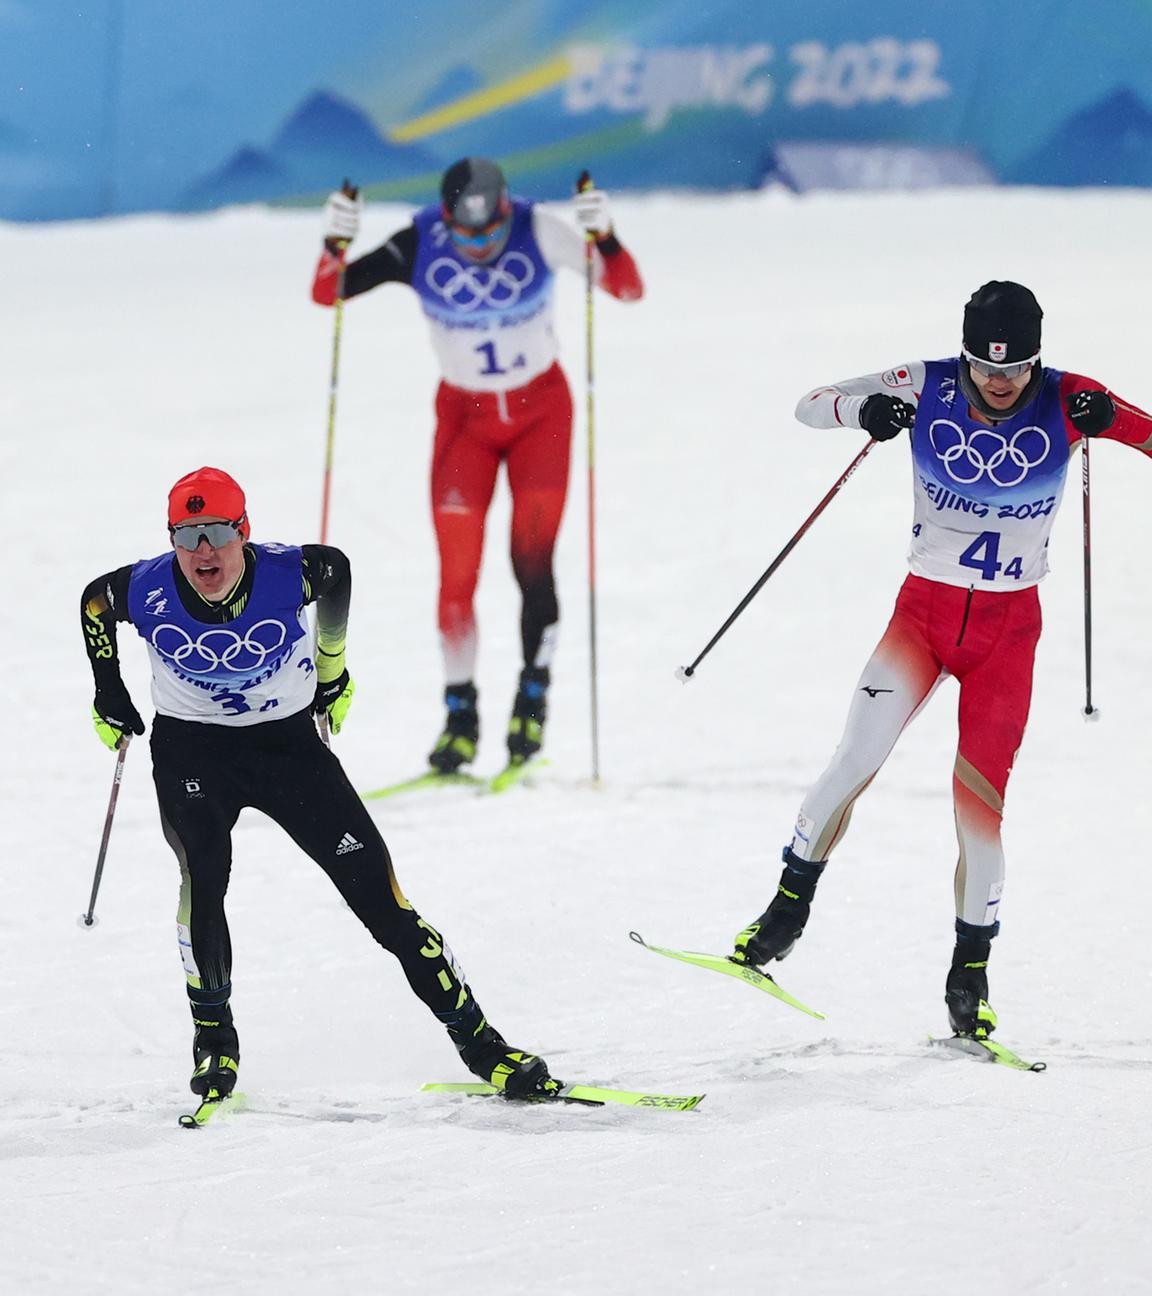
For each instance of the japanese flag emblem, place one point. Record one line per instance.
(997, 351)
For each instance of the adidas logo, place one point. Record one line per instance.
(348, 844)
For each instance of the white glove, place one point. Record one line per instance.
(342, 217)
(593, 214)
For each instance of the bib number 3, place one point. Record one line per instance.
(983, 554)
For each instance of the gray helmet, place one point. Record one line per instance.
(474, 193)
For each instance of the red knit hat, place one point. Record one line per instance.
(208, 492)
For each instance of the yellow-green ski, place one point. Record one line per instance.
(430, 779)
(985, 1050)
(729, 967)
(214, 1102)
(587, 1095)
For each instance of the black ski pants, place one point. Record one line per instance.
(206, 774)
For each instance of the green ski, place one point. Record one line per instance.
(513, 773)
(212, 1104)
(586, 1095)
(721, 963)
(985, 1050)
(430, 779)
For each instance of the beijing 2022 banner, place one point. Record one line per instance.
(112, 106)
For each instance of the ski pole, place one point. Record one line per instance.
(1090, 712)
(89, 919)
(685, 673)
(582, 184)
(350, 191)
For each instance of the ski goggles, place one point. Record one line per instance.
(478, 240)
(189, 534)
(986, 369)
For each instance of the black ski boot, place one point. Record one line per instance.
(488, 1055)
(215, 1050)
(780, 926)
(456, 746)
(529, 711)
(966, 990)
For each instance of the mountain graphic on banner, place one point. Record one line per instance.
(324, 140)
(1107, 143)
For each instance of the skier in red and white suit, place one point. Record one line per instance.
(991, 433)
(482, 265)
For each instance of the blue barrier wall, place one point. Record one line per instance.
(129, 105)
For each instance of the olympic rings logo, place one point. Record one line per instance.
(219, 649)
(968, 456)
(467, 287)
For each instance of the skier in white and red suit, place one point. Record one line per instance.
(482, 264)
(991, 433)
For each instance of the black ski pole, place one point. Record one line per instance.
(685, 673)
(1090, 712)
(89, 919)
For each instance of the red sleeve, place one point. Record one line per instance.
(1132, 426)
(326, 279)
(619, 276)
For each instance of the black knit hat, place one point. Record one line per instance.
(1002, 323)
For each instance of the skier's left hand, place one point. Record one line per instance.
(334, 698)
(593, 214)
(1091, 412)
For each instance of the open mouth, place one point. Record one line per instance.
(206, 571)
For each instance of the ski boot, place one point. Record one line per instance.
(781, 925)
(966, 990)
(488, 1055)
(456, 746)
(215, 1050)
(529, 711)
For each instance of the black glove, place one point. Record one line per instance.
(883, 417)
(1091, 412)
(114, 715)
(334, 699)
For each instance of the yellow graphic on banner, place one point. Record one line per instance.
(482, 102)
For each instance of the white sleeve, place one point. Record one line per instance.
(561, 244)
(839, 405)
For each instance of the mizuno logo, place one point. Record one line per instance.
(348, 844)
(873, 691)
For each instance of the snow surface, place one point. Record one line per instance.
(830, 1157)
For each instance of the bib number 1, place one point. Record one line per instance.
(492, 366)
(983, 554)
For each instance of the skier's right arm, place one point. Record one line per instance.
(882, 404)
(103, 603)
(392, 262)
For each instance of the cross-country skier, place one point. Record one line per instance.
(236, 681)
(991, 432)
(482, 264)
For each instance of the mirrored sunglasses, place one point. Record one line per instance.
(189, 534)
(986, 369)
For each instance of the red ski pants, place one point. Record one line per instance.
(988, 642)
(529, 430)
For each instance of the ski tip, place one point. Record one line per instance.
(635, 936)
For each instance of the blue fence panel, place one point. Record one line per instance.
(132, 105)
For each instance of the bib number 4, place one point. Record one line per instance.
(983, 554)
